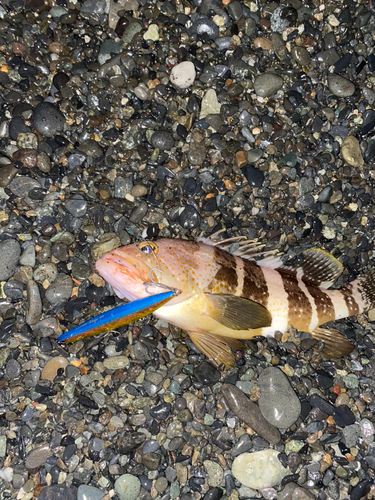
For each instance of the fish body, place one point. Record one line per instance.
(117, 317)
(229, 296)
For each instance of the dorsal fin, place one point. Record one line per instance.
(314, 266)
(239, 246)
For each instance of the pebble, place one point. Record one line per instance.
(152, 33)
(162, 140)
(214, 472)
(249, 413)
(116, 362)
(267, 84)
(52, 367)
(260, 469)
(351, 151)
(210, 104)
(340, 86)
(47, 119)
(183, 75)
(127, 487)
(60, 290)
(86, 492)
(10, 252)
(37, 457)
(278, 402)
(58, 492)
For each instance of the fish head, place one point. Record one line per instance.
(134, 271)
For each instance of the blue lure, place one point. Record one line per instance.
(117, 317)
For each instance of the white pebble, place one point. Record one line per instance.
(183, 75)
(258, 470)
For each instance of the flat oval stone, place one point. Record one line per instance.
(258, 470)
(267, 84)
(340, 86)
(38, 457)
(278, 402)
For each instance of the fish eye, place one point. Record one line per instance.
(148, 247)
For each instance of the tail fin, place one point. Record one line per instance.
(366, 287)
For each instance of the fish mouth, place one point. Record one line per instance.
(125, 273)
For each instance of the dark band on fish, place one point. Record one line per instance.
(299, 306)
(351, 304)
(255, 285)
(225, 259)
(224, 280)
(323, 303)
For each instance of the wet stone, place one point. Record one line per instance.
(214, 472)
(10, 252)
(127, 487)
(258, 470)
(183, 75)
(38, 457)
(12, 369)
(267, 84)
(22, 185)
(210, 104)
(46, 271)
(249, 413)
(77, 207)
(60, 290)
(351, 151)
(253, 175)
(206, 374)
(162, 140)
(47, 119)
(278, 402)
(189, 218)
(340, 86)
(58, 492)
(52, 367)
(34, 303)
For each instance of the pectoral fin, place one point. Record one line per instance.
(236, 313)
(217, 349)
(335, 343)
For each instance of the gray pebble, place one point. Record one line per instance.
(86, 492)
(46, 271)
(38, 457)
(340, 86)
(162, 140)
(34, 303)
(267, 84)
(278, 402)
(56, 491)
(10, 251)
(139, 212)
(60, 290)
(12, 369)
(28, 256)
(47, 119)
(122, 187)
(22, 185)
(77, 206)
(189, 218)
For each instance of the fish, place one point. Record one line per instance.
(232, 290)
(118, 316)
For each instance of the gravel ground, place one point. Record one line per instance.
(130, 119)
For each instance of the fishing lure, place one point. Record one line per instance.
(119, 316)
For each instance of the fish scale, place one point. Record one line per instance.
(230, 296)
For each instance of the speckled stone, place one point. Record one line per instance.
(10, 252)
(267, 84)
(258, 470)
(127, 487)
(351, 152)
(340, 86)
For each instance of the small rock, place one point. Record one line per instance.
(152, 33)
(210, 105)
(58, 492)
(34, 303)
(183, 75)
(351, 152)
(340, 86)
(47, 119)
(116, 362)
(215, 473)
(162, 140)
(108, 242)
(52, 366)
(38, 457)
(258, 470)
(278, 402)
(249, 413)
(10, 252)
(86, 492)
(60, 290)
(127, 487)
(267, 84)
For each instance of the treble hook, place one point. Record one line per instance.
(160, 285)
